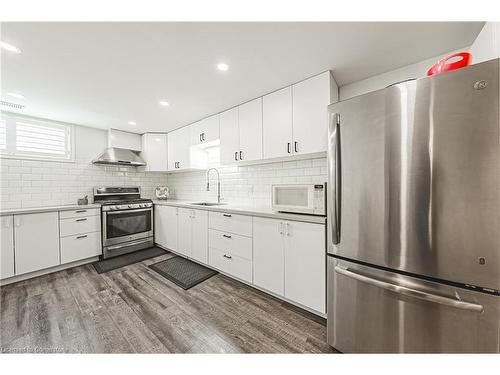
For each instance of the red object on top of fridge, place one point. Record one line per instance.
(458, 60)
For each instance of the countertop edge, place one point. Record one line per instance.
(37, 210)
(248, 212)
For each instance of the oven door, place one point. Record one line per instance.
(127, 225)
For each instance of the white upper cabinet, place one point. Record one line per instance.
(178, 148)
(206, 130)
(250, 127)
(181, 156)
(277, 123)
(310, 114)
(7, 247)
(36, 238)
(154, 152)
(241, 133)
(229, 136)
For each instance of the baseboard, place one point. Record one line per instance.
(30, 275)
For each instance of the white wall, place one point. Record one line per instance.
(383, 80)
(34, 183)
(487, 44)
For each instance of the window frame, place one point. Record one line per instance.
(10, 152)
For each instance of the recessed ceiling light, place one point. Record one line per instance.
(9, 47)
(164, 103)
(223, 67)
(133, 123)
(15, 95)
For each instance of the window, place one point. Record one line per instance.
(29, 138)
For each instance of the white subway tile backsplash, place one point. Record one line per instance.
(29, 183)
(246, 185)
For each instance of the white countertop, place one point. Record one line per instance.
(35, 210)
(243, 210)
(232, 208)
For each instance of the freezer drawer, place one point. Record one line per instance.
(374, 311)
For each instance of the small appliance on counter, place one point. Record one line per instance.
(83, 201)
(162, 192)
(300, 198)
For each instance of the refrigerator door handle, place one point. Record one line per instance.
(410, 292)
(334, 176)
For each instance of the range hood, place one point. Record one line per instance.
(119, 156)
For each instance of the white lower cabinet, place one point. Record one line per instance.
(7, 247)
(305, 264)
(193, 234)
(165, 226)
(231, 264)
(80, 246)
(36, 239)
(268, 255)
(289, 259)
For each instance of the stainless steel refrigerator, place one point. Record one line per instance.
(413, 216)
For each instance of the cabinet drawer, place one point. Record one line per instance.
(82, 246)
(234, 243)
(231, 264)
(227, 222)
(79, 213)
(80, 225)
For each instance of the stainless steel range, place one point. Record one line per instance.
(127, 220)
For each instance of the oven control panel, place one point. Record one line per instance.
(127, 206)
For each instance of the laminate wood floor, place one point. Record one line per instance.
(135, 310)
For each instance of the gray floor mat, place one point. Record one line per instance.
(183, 272)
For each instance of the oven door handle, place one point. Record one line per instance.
(123, 211)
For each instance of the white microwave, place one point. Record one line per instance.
(300, 198)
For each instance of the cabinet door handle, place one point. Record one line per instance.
(288, 148)
(80, 211)
(227, 215)
(201, 139)
(296, 146)
(204, 138)
(79, 237)
(84, 219)
(228, 256)
(281, 228)
(226, 236)
(241, 155)
(287, 226)
(236, 156)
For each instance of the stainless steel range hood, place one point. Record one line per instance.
(119, 156)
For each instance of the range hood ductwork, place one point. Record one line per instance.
(120, 156)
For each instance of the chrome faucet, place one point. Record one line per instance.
(218, 183)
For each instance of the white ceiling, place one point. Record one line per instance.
(107, 74)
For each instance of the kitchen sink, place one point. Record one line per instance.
(208, 204)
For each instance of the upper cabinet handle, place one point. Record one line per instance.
(288, 148)
(296, 146)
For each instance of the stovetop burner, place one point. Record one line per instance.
(124, 201)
